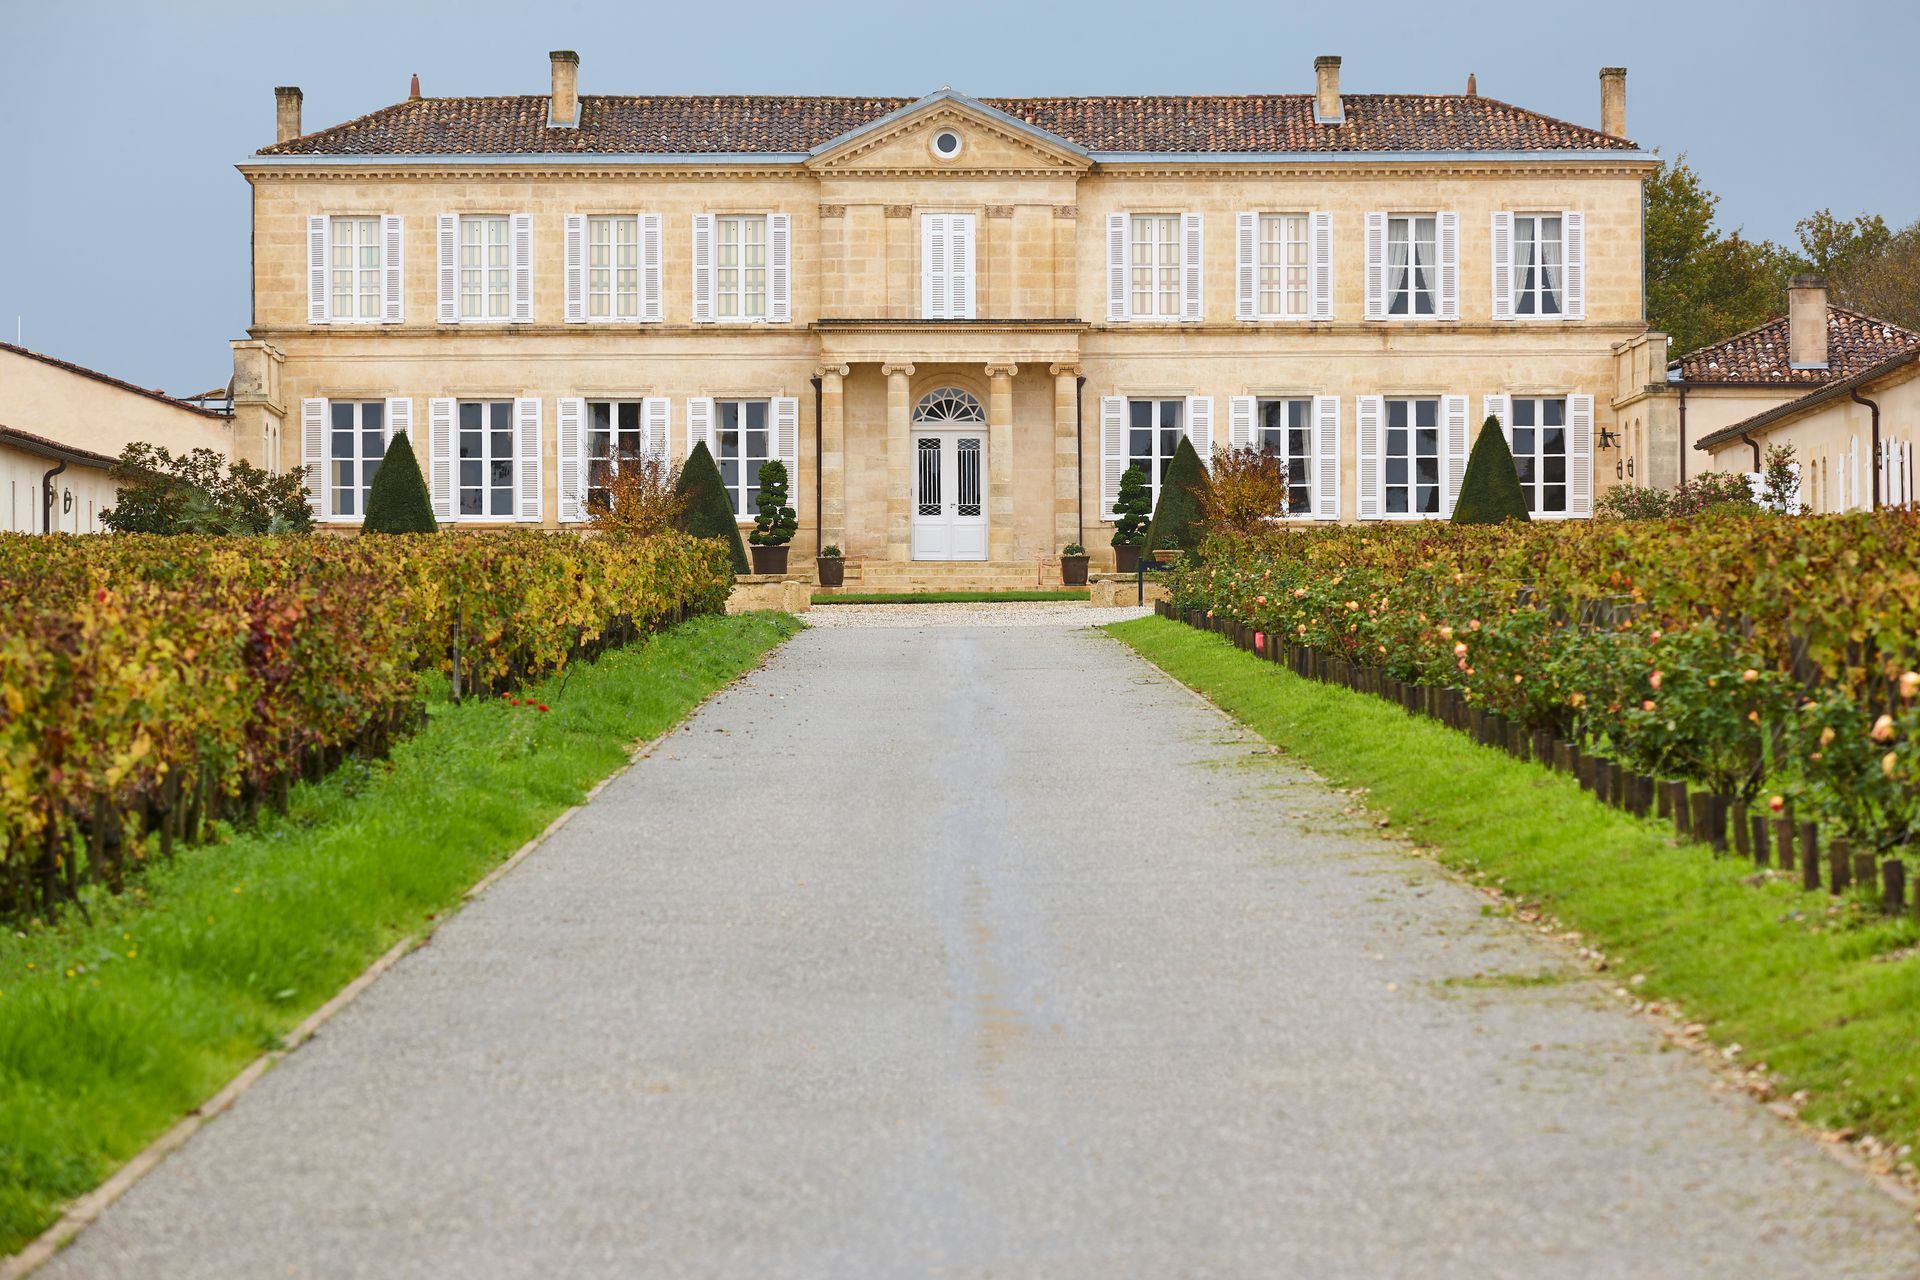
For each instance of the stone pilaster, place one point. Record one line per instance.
(1066, 453)
(1000, 462)
(899, 463)
(259, 413)
(833, 455)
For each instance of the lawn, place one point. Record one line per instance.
(111, 1030)
(1825, 992)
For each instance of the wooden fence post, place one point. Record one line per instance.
(1809, 856)
(1893, 879)
(1783, 839)
(1839, 864)
(1742, 849)
(1700, 820)
(1759, 821)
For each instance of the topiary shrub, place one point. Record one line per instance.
(1132, 509)
(776, 523)
(397, 502)
(1490, 492)
(709, 509)
(1180, 519)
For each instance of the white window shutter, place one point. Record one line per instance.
(570, 491)
(1326, 457)
(1449, 249)
(1503, 265)
(523, 274)
(1500, 409)
(1573, 231)
(650, 266)
(1580, 455)
(1369, 412)
(1376, 272)
(393, 269)
(1113, 451)
(1192, 243)
(1246, 261)
(1240, 422)
(960, 264)
(1116, 266)
(576, 268)
(1453, 413)
(313, 454)
(702, 268)
(1320, 258)
(933, 266)
(448, 244)
(526, 464)
(400, 421)
(655, 412)
(317, 310)
(1200, 427)
(440, 415)
(700, 422)
(779, 268)
(786, 441)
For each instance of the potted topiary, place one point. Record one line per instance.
(774, 527)
(833, 569)
(1132, 508)
(1073, 565)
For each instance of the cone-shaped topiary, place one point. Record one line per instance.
(709, 509)
(1179, 520)
(1490, 491)
(397, 502)
(776, 523)
(1132, 508)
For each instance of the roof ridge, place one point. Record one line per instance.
(150, 392)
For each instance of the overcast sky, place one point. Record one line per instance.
(123, 226)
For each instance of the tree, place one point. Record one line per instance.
(1780, 482)
(1132, 509)
(1836, 247)
(1877, 277)
(200, 492)
(776, 523)
(1703, 285)
(709, 507)
(1248, 487)
(1180, 519)
(1490, 492)
(397, 502)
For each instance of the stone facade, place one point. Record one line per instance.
(1039, 348)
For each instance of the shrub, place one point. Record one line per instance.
(397, 501)
(1780, 482)
(1490, 491)
(1132, 509)
(1180, 519)
(1726, 491)
(1248, 488)
(708, 509)
(776, 523)
(643, 499)
(201, 492)
(829, 552)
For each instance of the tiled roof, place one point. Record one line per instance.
(1854, 342)
(46, 448)
(774, 125)
(150, 392)
(1866, 377)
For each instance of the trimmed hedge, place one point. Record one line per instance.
(397, 501)
(1490, 492)
(709, 509)
(1180, 521)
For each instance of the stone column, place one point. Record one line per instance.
(1000, 462)
(833, 456)
(1066, 453)
(899, 461)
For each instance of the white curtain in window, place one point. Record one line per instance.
(1423, 255)
(1550, 258)
(1398, 287)
(1524, 261)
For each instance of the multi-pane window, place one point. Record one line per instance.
(1284, 429)
(1539, 433)
(1410, 458)
(1283, 265)
(1412, 256)
(613, 268)
(742, 443)
(1154, 273)
(1154, 428)
(740, 268)
(613, 434)
(1537, 264)
(486, 268)
(485, 459)
(356, 441)
(353, 274)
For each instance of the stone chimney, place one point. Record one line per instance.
(1613, 101)
(286, 113)
(1807, 322)
(565, 111)
(1326, 91)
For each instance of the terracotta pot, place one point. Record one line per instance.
(1073, 571)
(1126, 559)
(770, 559)
(833, 570)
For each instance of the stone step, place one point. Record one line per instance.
(977, 575)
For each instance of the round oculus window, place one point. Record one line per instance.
(946, 144)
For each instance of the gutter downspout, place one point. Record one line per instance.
(1683, 433)
(1855, 396)
(1753, 445)
(1079, 431)
(819, 534)
(46, 497)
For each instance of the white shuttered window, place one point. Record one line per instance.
(1159, 266)
(484, 270)
(947, 266)
(740, 268)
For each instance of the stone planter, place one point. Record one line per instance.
(770, 560)
(1126, 559)
(833, 570)
(1073, 571)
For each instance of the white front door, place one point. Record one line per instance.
(950, 495)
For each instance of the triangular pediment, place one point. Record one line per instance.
(991, 141)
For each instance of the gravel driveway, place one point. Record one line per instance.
(985, 952)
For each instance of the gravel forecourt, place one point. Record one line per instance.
(936, 948)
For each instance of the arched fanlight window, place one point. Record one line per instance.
(949, 404)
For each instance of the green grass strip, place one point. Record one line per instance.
(945, 597)
(110, 1032)
(1824, 991)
